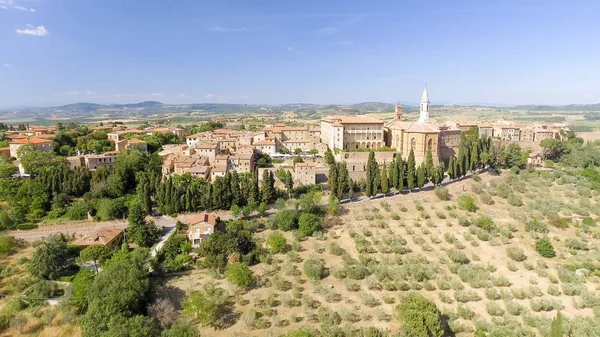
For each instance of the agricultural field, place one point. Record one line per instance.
(497, 254)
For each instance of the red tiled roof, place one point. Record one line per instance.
(101, 236)
(203, 217)
(31, 140)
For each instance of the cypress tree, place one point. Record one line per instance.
(393, 173)
(372, 182)
(400, 167)
(429, 168)
(266, 188)
(342, 184)
(421, 176)
(475, 156)
(236, 193)
(411, 170)
(385, 187)
(333, 178)
(451, 168)
(289, 183)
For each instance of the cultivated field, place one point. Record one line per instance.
(479, 267)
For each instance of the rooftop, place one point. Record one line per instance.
(203, 217)
(100, 236)
(310, 164)
(353, 119)
(31, 140)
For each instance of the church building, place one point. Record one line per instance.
(418, 136)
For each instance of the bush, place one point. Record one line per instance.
(308, 223)
(464, 312)
(8, 244)
(486, 199)
(545, 304)
(576, 244)
(494, 309)
(513, 308)
(277, 243)
(239, 274)
(457, 256)
(545, 248)
(515, 200)
(535, 225)
(467, 203)
(464, 296)
(419, 316)
(484, 222)
(314, 268)
(516, 254)
(442, 193)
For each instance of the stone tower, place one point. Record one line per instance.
(424, 115)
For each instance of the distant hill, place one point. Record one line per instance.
(570, 107)
(147, 108)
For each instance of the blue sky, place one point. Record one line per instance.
(286, 51)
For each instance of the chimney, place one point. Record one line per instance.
(399, 112)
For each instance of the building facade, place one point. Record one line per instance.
(352, 132)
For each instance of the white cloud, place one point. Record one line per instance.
(12, 4)
(91, 93)
(157, 94)
(6, 65)
(221, 29)
(291, 49)
(35, 31)
(69, 93)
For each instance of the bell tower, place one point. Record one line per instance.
(424, 110)
(398, 112)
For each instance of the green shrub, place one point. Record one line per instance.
(516, 254)
(535, 225)
(515, 200)
(239, 274)
(8, 244)
(589, 222)
(494, 309)
(492, 294)
(576, 244)
(314, 268)
(486, 199)
(553, 290)
(545, 248)
(464, 312)
(457, 256)
(545, 304)
(484, 222)
(277, 243)
(419, 316)
(464, 296)
(513, 308)
(442, 193)
(336, 250)
(466, 203)
(440, 215)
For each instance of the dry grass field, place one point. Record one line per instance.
(479, 267)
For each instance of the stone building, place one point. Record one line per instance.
(132, 143)
(419, 136)
(305, 173)
(352, 132)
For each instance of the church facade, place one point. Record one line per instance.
(420, 136)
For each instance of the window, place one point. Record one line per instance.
(430, 144)
(413, 144)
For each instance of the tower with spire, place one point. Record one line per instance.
(424, 111)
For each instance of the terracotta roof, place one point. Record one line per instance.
(15, 136)
(31, 140)
(100, 236)
(219, 168)
(353, 119)
(203, 217)
(122, 132)
(197, 169)
(415, 127)
(310, 164)
(206, 145)
(265, 142)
